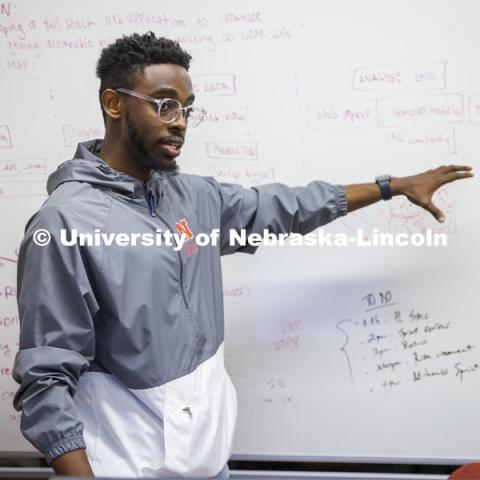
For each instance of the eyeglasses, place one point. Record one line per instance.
(169, 109)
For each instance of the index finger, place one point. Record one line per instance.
(457, 168)
(452, 176)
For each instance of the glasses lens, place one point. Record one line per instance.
(170, 110)
(195, 116)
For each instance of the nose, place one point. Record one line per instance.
(180, 122)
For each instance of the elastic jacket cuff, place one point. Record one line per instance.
(341, 198)
(63, 446)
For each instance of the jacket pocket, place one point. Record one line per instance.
(198, 432)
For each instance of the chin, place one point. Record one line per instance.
(161, 164)
(168, 165)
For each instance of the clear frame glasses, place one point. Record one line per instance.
(170, 109)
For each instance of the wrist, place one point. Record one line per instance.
(397, 185)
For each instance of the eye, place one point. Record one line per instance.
(169, 105)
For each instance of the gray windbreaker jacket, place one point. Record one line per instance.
(121, 347)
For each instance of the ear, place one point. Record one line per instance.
(111, 104)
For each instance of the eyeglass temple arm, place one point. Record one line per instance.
(157, 101)
(139, 95)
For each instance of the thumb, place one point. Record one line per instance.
(436, 212)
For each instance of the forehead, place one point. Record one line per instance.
(163, 75)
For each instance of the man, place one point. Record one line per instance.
(121, 361)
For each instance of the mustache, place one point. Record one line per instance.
(177, 140)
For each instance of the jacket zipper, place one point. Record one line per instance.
(151, 207)
(153, 213)
(151, 203)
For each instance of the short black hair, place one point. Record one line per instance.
(129, 55)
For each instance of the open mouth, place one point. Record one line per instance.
(170, 150)
(171, 147)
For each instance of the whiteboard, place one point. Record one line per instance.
(349, 353)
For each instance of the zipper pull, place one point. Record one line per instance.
(151, 203)
(188, 411)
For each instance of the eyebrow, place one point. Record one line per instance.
(172, 92)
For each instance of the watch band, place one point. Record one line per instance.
(383, 181)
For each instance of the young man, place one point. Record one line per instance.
(121, 365)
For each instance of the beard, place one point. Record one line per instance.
(143, 157)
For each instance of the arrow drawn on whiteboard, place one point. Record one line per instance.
(347, 338)
(6, 259)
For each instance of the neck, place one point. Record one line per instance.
(122, 157)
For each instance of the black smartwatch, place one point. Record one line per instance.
(383, 181)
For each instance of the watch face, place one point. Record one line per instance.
(383, 178)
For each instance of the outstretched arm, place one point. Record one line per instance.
(279, 208)
(419, 189)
